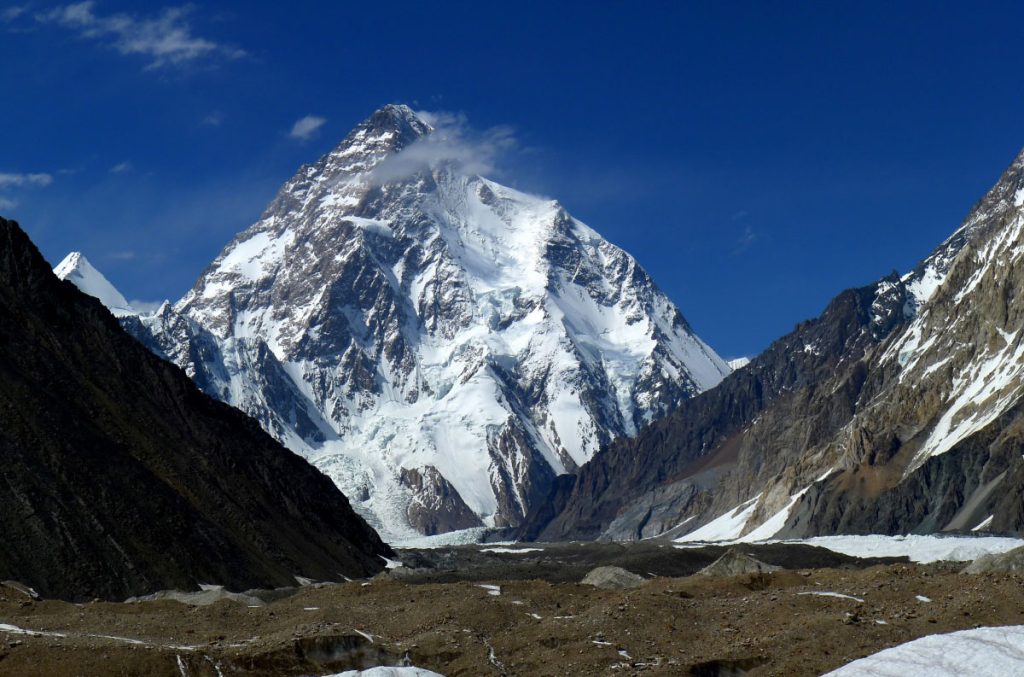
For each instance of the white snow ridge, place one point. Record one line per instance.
(440, 345)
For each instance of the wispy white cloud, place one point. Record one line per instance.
(213, 119)
(123, 255)
(122, 167)
(145, 306)
(166, 39)
(9, 14)
(10, 180)
(452, 141)
(306, 127)
(745, 241)
(15, 181)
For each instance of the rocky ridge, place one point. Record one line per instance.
(896, 411)
(119, 477)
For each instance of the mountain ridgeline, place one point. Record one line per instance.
(119, 477)
(896, 411)
(454, 353)
(440, 345)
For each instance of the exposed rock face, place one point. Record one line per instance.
(440, 345)
(119, 477)
(898, 410)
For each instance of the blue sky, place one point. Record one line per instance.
(757, 158)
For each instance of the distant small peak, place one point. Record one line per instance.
(76, 269)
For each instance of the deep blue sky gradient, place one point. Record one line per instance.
(756, 158)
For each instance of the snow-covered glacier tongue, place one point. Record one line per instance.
(442, 346)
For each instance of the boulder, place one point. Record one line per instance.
(210, 594)
(735, 562)
(613, 578)
(1009, 561)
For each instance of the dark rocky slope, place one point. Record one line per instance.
(119, 477)
(644, 486)
(898, 410)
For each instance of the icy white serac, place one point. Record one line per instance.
(440, 345)
(75, 268)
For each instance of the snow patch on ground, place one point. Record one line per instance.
(983, 652)
(512, 551)
(15, 630)
(388, 672)
(493, 590)
(832, 594)
(921, 549)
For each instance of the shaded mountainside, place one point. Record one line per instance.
(119, 477)
(645, 486)
(440, 345)
(896, 411)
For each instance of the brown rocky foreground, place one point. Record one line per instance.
(776, 623)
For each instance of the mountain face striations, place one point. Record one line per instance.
(119, 477)
(898, 410)
(440, 345)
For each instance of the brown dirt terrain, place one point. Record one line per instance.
(768, 624)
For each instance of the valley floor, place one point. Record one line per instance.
(531, 621)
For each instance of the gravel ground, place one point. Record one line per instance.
(518, 624)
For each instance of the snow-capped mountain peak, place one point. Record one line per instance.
(441, 345)
(75, 268)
